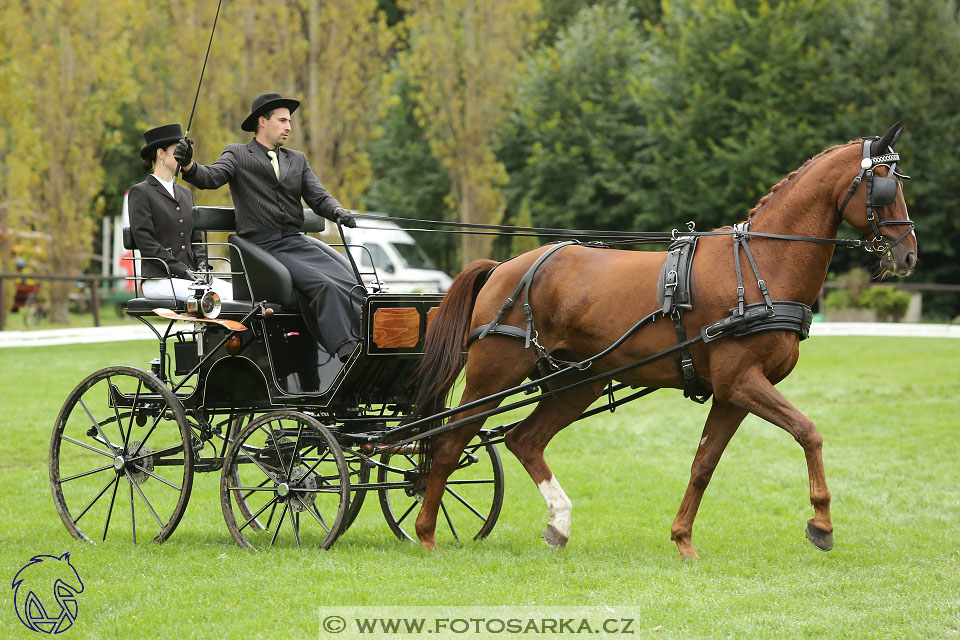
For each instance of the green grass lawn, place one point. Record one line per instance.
(888, 412)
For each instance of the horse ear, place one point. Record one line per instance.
(879, 147)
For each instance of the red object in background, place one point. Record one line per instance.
(24, 291)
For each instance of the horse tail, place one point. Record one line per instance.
(443, 353)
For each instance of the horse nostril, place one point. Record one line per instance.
(911, 259)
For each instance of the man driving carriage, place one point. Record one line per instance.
(267, 182)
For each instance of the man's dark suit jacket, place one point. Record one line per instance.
(262, 203)
(162, 227)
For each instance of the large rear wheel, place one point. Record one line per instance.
(121, 457)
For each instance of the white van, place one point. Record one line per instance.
(401, 264)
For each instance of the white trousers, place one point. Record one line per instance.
(167, 288)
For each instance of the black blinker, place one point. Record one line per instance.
(884, 191)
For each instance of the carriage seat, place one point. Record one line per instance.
(259, 275)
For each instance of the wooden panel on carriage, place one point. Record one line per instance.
(398, 322)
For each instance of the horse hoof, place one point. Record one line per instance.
(553, 538)
(821, 539)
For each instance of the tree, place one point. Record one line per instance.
(740, 94)
(577, 145)
(16, 175)
(78, 65)
(408, 181)
(739, 98)
(462, 57)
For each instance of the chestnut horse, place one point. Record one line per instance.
(586, 298)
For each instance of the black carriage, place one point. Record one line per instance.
(240, 387)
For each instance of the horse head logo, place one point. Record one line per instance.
(43, 581)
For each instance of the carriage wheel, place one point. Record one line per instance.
(471, 502)
(117, 462)
(292, 479)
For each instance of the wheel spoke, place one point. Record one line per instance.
(276, 447)
(273, 512)
(273, 501)
(86, 473)
(449, 522)
(295, 520)
(116, 411)
(133, 517)
(96, 425)
(153, 427)
(250, 490)
(102, 491)
(259, 466)
(160, 453)
(286, 506)
(465, 503)
(315, 514)
(156, 477)
(113, 498)
(136, 400)
(144, 498)
(259, 487)
(293, 454)
(319, 460)
(87, 446)
(407, 512)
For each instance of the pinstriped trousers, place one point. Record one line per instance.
(329, 295)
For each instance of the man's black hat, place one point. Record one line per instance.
(263, 104)
(159, 137)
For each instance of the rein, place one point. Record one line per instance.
(617, 237)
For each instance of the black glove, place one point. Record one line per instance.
(344, 218)
(183, 154)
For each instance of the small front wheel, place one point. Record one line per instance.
(284, 482)
(471, 500)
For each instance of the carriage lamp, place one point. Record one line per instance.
(210, 305)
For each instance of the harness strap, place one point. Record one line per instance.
(499, 330)
(522, 287)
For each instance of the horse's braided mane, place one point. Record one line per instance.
(790, 176)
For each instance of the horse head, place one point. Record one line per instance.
(873, 204)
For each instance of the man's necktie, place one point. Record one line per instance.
(276, 163)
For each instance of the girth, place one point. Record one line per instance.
(674, 295)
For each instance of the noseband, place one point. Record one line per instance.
(881, 192)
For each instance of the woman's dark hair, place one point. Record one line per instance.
(147, 160)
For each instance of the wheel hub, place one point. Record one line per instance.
(302, 480)
(143, 463)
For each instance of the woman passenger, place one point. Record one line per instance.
(161, 219)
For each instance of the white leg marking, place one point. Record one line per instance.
(559, 506)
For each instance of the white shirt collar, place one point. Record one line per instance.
(168, 185)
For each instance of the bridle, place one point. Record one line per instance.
(881, 192)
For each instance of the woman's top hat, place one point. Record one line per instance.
(159, 137)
